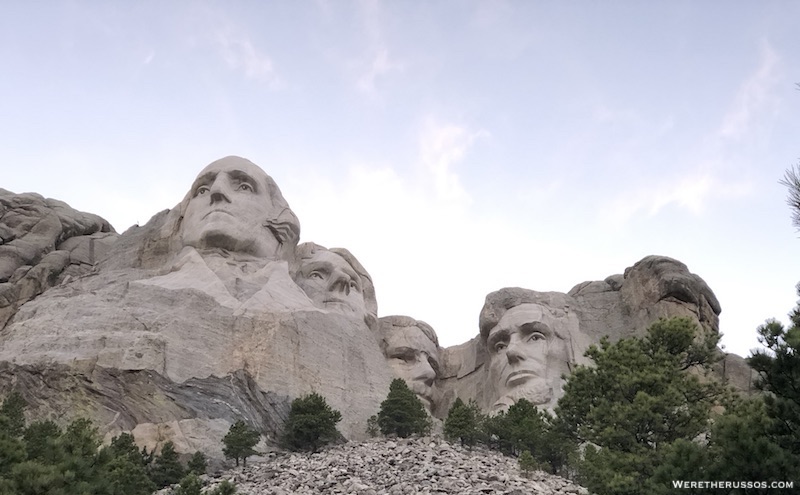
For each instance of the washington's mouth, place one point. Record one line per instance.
(519, 377)
(217, 211)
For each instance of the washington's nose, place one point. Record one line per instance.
(219, 192)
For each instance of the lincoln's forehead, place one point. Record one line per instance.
(521, 314)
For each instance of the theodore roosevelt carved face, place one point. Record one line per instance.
(412, 351)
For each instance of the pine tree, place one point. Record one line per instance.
(527, 464)
(12, 415)
(637, 401)
(463, 422)
(197, 464)
(190, 485)
(311, 423)
(402, 413)
(167, 469)
(239, 442)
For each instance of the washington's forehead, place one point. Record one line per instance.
(234, 163)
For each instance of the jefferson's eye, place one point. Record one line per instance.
(244, 186)
(316, 275)
(201, 190)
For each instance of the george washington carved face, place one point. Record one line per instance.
(233, 205)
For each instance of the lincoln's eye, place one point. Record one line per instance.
(500, 346)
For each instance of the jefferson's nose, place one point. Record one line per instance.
(340, 282)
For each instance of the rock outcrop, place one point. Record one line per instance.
(213, 311)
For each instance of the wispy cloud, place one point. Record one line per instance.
(442, 146)
(377, 62)
(754, 96)
(690, 193)
(240, 53)
(379, 66)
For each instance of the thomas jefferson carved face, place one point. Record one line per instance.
(332, 283)
(414, 358)
(228, 208)
(523, 348)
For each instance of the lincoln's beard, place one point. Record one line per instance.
(537, 391)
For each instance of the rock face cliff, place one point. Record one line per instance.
(213, 311)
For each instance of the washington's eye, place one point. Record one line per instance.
(201, 190)
(536, 336)
(244, 186)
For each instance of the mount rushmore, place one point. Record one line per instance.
(214, 311)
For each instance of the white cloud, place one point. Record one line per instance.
(691, 193)
(241, 54)
(377, 62)
(379, 66)
(754, 96)
(442, 146)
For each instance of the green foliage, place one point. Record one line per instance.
(641, 397)
(311, 423)
(239, 442)
(197, 464)
(525, 428)
(126, 476)
(47, 460)
(42, 442)
(190, 485)
(166, 469)
(402, 413)
(224, 488)
(12, 415)
(527, 464)
(779, 375)
(373, 429)
(464, 422)
(792, 180)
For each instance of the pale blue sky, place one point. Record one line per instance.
(455, 147)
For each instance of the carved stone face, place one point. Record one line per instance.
(228, 208)
(523, 347)
(331, 283)
(414, 358)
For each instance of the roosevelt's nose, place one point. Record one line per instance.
(424, 372)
